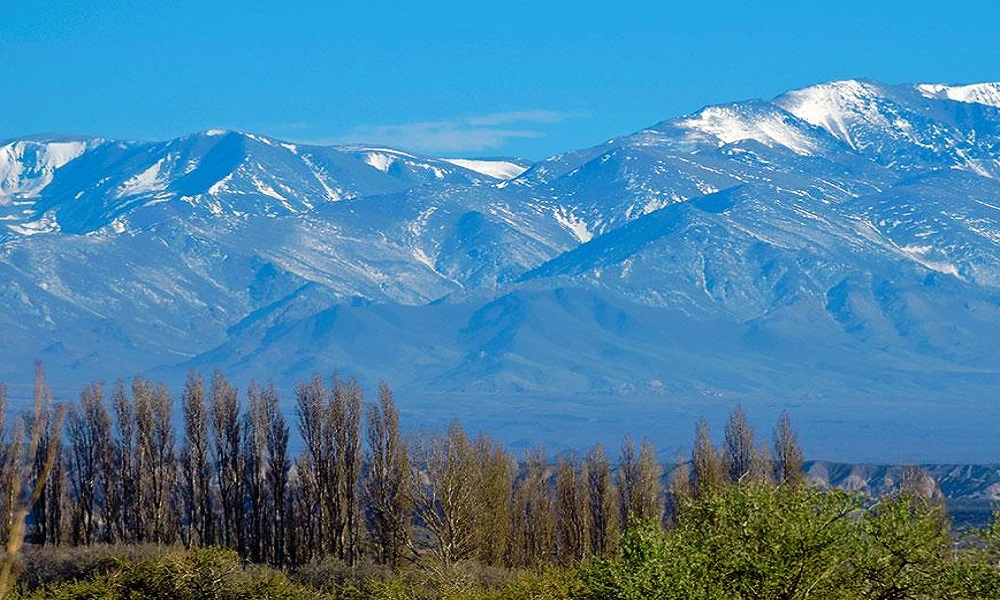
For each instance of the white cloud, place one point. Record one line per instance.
(467, 134)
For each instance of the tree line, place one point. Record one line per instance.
(122, 470)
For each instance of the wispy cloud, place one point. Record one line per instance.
(475, 133)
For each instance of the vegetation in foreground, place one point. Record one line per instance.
(745, 541)
(115, 509)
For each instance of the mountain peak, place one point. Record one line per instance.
(829, 105)
(754, 120)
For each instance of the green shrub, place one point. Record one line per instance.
(759, 541)
(202, 574)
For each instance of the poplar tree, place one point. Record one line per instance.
(277, 476)
(124, 501)
(196, 465)
(602, 503)
(639, 483)
(534, 518)
(89, 436)
(572, 510)
(738, 448)
(30, 463)
(345, 423)
(707, 472)
(494, 480)
(627, 475)
(256, 424)
(157, 444)
(788, 457)
(313, 471)
(648, 491)
(387, 483)
(226, 437)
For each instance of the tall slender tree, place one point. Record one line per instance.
(154, 464)
(314, 475)
(387, 483)
(277, 476)
(124, 500)
(534, 517)
(707, 471)
(602, 503)
(265, 452)
(89, 436)
(648, 498)
(738, 448)
(788, 457)
(226, 437)
(639, 483)
(572, 510)
(345, 423)
(494, 479)
(196, 465)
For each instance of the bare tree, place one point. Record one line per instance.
(123, 500)
(738, 448)
(707, 472)
(680, 489)
(648, 498)
(639, 483)
(314, 472)
(572, 510)
(788, 457)
(196, 465)
(224, 406)
(602, 503)
(264, 452)
(48, 514)
(444, 492)
(628, 473)
(388, 482)
(534, 522)
(494, 480)
(277, 476)
(345, 423)
(8, 469)
(89, 436)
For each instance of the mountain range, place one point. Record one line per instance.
(834, 251)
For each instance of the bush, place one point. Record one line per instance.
(758, 541)
(53, 565)
(330, 573)
(203, 574)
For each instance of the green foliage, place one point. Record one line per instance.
(203, 574)
(761, 541)
(472, 581)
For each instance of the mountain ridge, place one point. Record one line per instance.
(838, 245)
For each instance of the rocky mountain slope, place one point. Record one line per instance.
(834, 248)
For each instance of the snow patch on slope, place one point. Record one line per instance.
(149, 180)
(977, 93)
(497, 169)
(729, 124)
(572, 223)
(46, 224)
(27, 167)
(832, 105)
(380, 161)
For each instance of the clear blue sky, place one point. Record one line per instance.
(529, 78)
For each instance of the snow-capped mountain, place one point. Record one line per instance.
(80, 186)
(837, 246)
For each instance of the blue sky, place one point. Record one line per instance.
(449, 78)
